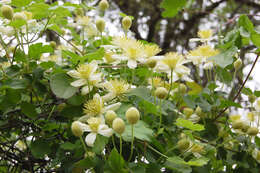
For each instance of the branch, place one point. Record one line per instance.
(240, 89)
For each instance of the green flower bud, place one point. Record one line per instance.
(118, 125)
(182, 88)
(7, 11)
(126, 22)
(151, 63)
(132, 115)
(245, 127)
(79, 12)
(188, 112)
(76, 129)
(197, 148)
(237, 124)
(100, 24)
(110, 116)
(237, 64)
(183, 144)
(161, 92)
(252, 131)
(103, 5)
(251, 98)
(53, 44)
(198, 111)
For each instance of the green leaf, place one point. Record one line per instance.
(245, 22)
(225, 58)
(39, 10)
(28, 109)
(189, 125)
(228, 103)
(172, 7)
(17, 23)
(86, 163)
(20, 3)
(115, 162)
(179, 168)
(37, 49)
(47, 65)
(60, 86)
(198, 161)
(193, 162)
(255, 38)
(39, 148)
(97, 55)
(195, 88)
(99, 144)
(68, 146)
(257, 93)
(141, 131)
(141, 92)
(257, 141)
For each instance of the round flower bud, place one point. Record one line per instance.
(197, 148)
(118, 125)
(79, 12)
(19, 16)
(53, 44)
(252, 131)
(237, 64)
(100, 24)
(183, 144)
(132, 115)
(245, 127)
(103, 5)
(188, 112)
(237, 124)
(182, 88)
(61, 106)
(151, 63)
(161, 92)
(110, 116)
(251, 98)
(126, 22)
(7, 11)
(198, 111)
(76, 129)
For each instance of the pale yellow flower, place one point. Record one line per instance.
(173, 64)
(151, 50)
(83, 20)
(116, 88)
(86, 75)
(95, 126)
(132, 50)
(204, 36)
(96, 108)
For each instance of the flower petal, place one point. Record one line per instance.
(86, 89)
(132, 64)
(90, 139)
(104, 130)
(74, 74)
(113, 107)
(78, 83)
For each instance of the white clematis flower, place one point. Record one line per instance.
(95, 126)
(86, 76)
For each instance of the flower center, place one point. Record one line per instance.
(94, 124)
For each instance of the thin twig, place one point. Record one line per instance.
(240, 89)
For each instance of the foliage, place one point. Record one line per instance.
(63, 103)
